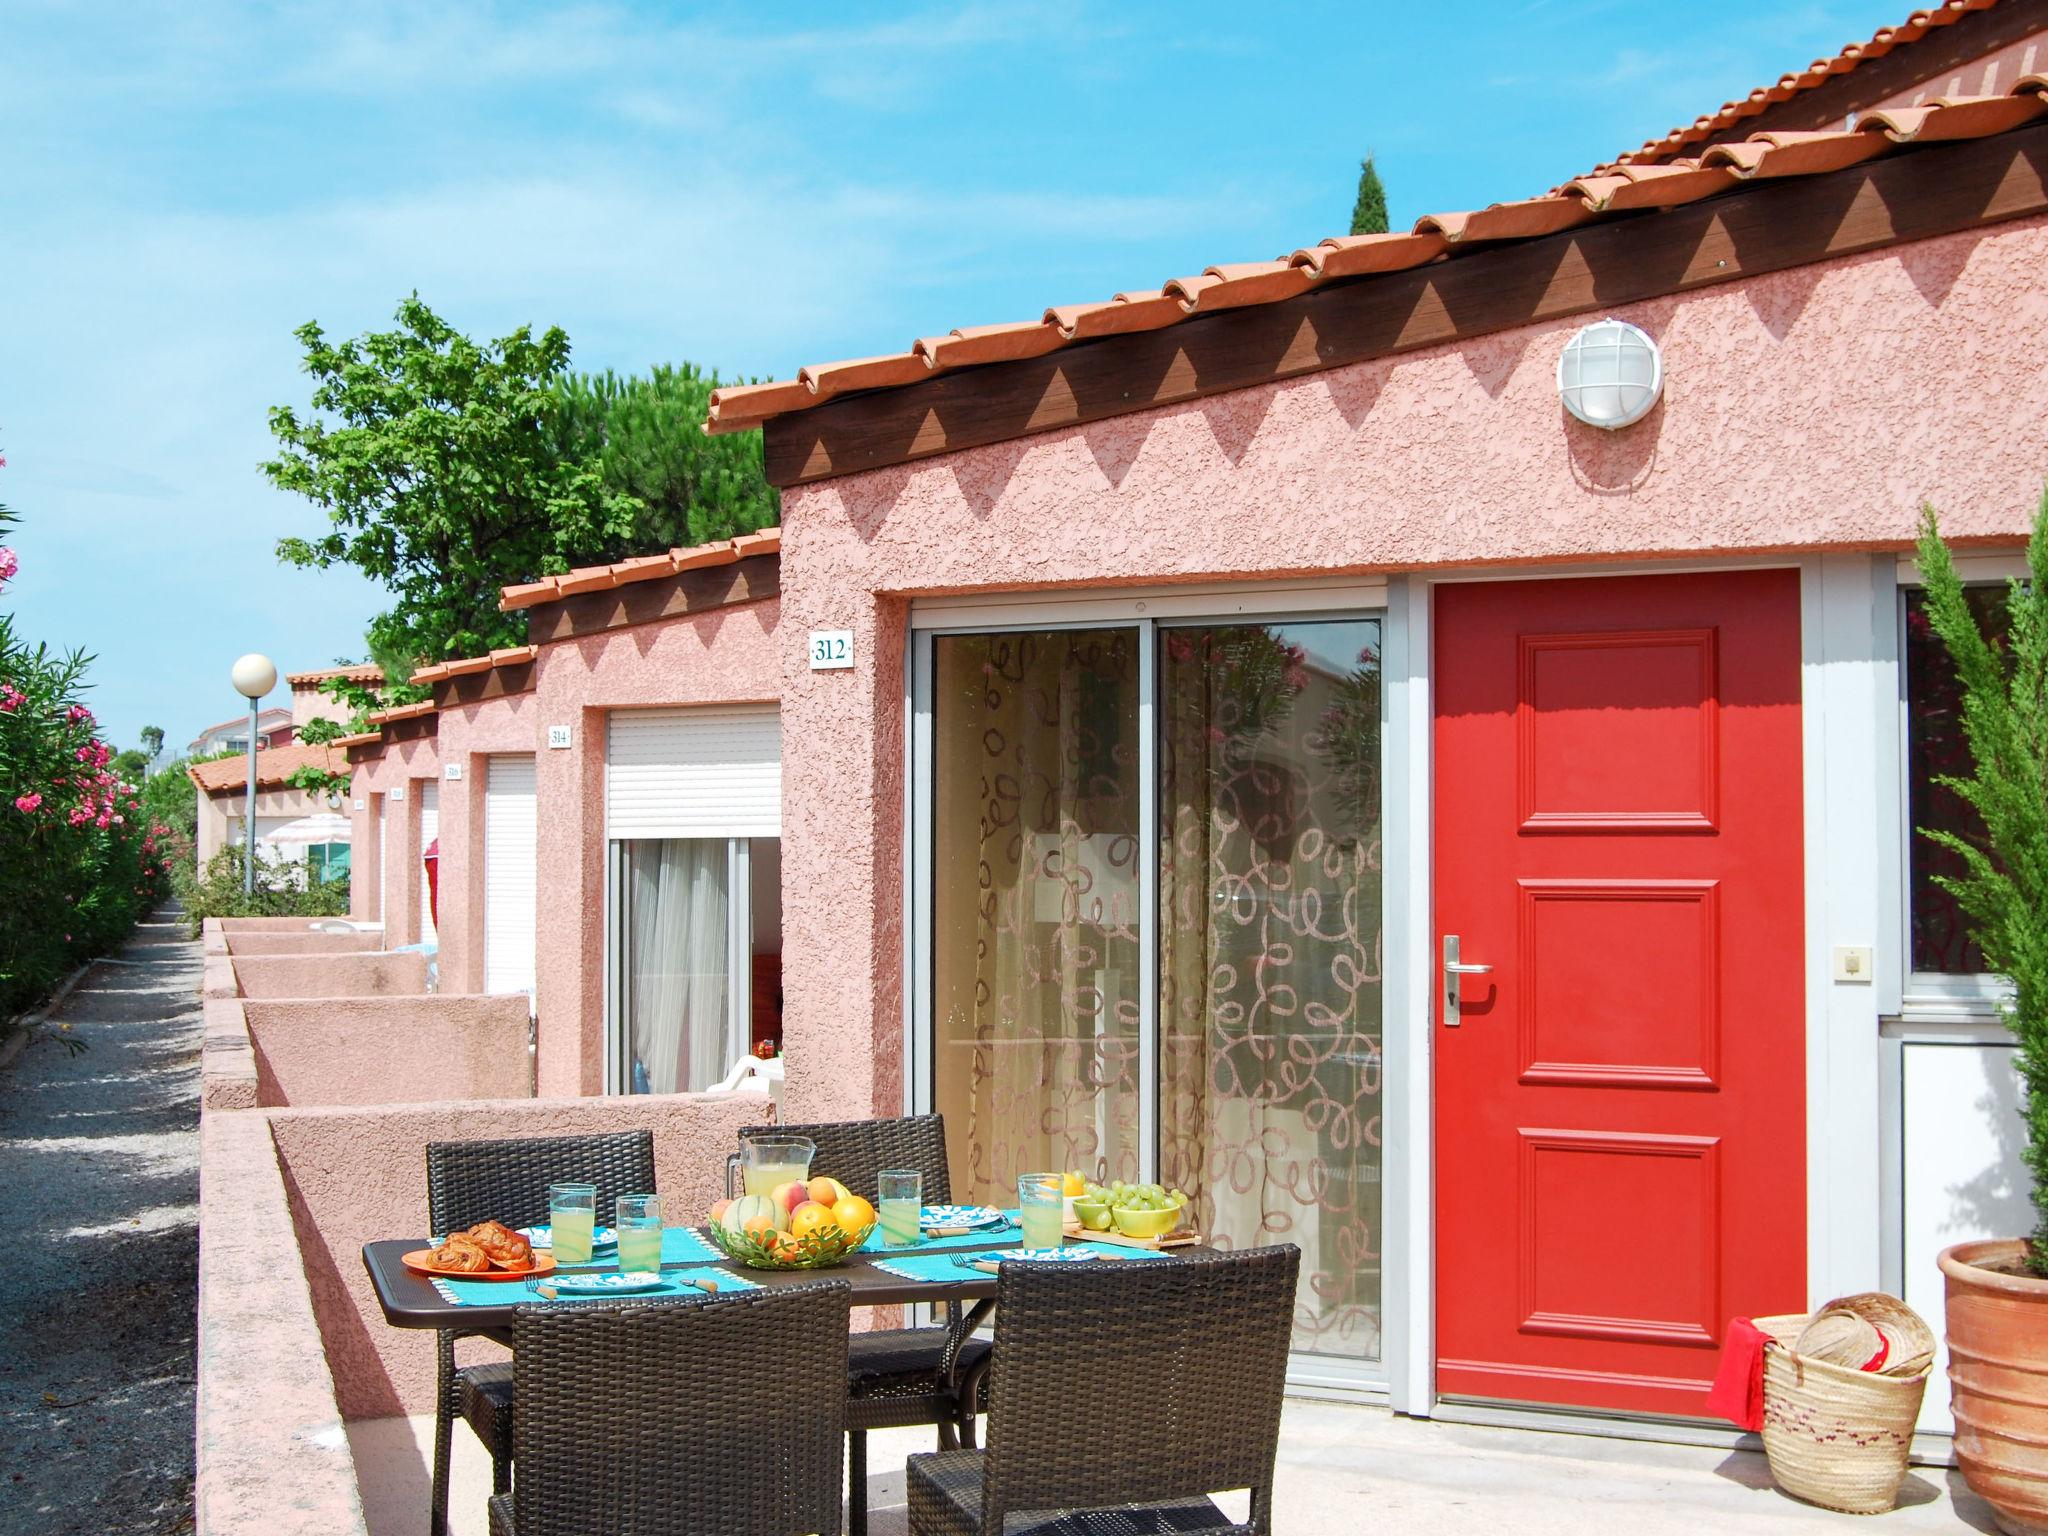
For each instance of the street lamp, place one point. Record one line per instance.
(253, 676)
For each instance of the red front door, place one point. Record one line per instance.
(1620, 1109)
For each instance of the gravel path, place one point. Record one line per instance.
(99, 1161)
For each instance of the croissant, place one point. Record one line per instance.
(460, 1255)
(507, 1249)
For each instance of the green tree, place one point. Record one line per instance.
(439, 463)
(1369, 210)
(2003, 888)
(152, 743)
(646, 437)
(130, 765)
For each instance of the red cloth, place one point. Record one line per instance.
(431, 860)
(1738, 1392)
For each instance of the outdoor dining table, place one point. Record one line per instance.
(411, 1300)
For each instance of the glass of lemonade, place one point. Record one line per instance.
(899, 1194)
(769, 1161)
(572, 1221)
(639, 1230)
(1041, 1209)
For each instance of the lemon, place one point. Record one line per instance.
(1073, 1184)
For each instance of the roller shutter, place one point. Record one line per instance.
(694, 773)
(510, 832)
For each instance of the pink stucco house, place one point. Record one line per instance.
(1308, 733)
(1302, 732)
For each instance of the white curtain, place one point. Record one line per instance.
(676, 981)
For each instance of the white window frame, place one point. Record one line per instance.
(1930, 998)
(1146, 611)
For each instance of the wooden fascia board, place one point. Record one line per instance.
(476, 687)
(1764, 227)
(697, 590)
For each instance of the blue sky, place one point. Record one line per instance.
(747, 187)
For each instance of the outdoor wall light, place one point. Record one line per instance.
(1610, 374)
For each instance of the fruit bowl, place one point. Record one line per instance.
(820, 1249)
(1147, 1223)
(1092, 1215)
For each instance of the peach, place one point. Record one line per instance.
(720, 1209)
(791, 1195)
(828, 1191)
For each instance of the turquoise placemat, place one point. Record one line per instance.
(500, 1293)
(988, 1237)
(681, 1243)
(936, 1268)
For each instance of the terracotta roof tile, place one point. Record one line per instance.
(343, 743)
(1617, 190)
(1819, 72)
(596, 578)
(1957, 117)
(965, 346)
(273, 766)
(738, 406)
(361, 672)
(1127, 312)
(1357, 255)
(828, 379)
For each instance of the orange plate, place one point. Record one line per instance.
(417, 1262)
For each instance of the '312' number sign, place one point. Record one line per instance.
(831, 648)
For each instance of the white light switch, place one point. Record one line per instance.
(1852, 962)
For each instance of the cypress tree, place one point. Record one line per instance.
(1369, 213)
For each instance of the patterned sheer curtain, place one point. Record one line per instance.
(1035, 905)
(1269, 931)
(675, 963)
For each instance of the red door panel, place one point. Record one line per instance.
(1620, 1114)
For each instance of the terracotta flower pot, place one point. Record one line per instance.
(1998, 1381)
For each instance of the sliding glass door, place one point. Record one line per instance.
(1155, 928)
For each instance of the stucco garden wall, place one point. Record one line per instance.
(370, 974)
(303, 941)
(469, 735)
(357, 1174)
(389, 1050)
(1816, 408)
(272, 1456)
(726, 656)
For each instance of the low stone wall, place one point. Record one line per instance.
(354, 1175)
(364, 974)
(304, 942)
(273, 1458)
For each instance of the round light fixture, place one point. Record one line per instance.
(254, 675)
(1610, 374)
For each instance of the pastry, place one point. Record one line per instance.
(461, 1254)
(507, 1249)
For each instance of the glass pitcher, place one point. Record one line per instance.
(769, 1161)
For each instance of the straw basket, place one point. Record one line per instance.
(1837, 1436)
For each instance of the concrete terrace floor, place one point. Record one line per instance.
(1345, 1470)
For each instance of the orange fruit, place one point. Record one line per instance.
(808, 1217)
(1073, 1184)
(853, 1214)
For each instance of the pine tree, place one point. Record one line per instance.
(1369, 213)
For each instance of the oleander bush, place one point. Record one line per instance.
(79, 860)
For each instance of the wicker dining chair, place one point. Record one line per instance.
(507, 1180)
(680, 1417)
(1120, 1396)
(896, 1377)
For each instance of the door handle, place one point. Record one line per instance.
(1453, 969)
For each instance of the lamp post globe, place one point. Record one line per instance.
(253, 675)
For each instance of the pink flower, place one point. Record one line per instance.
(9, 563)
(28, 803)
(11, 698)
